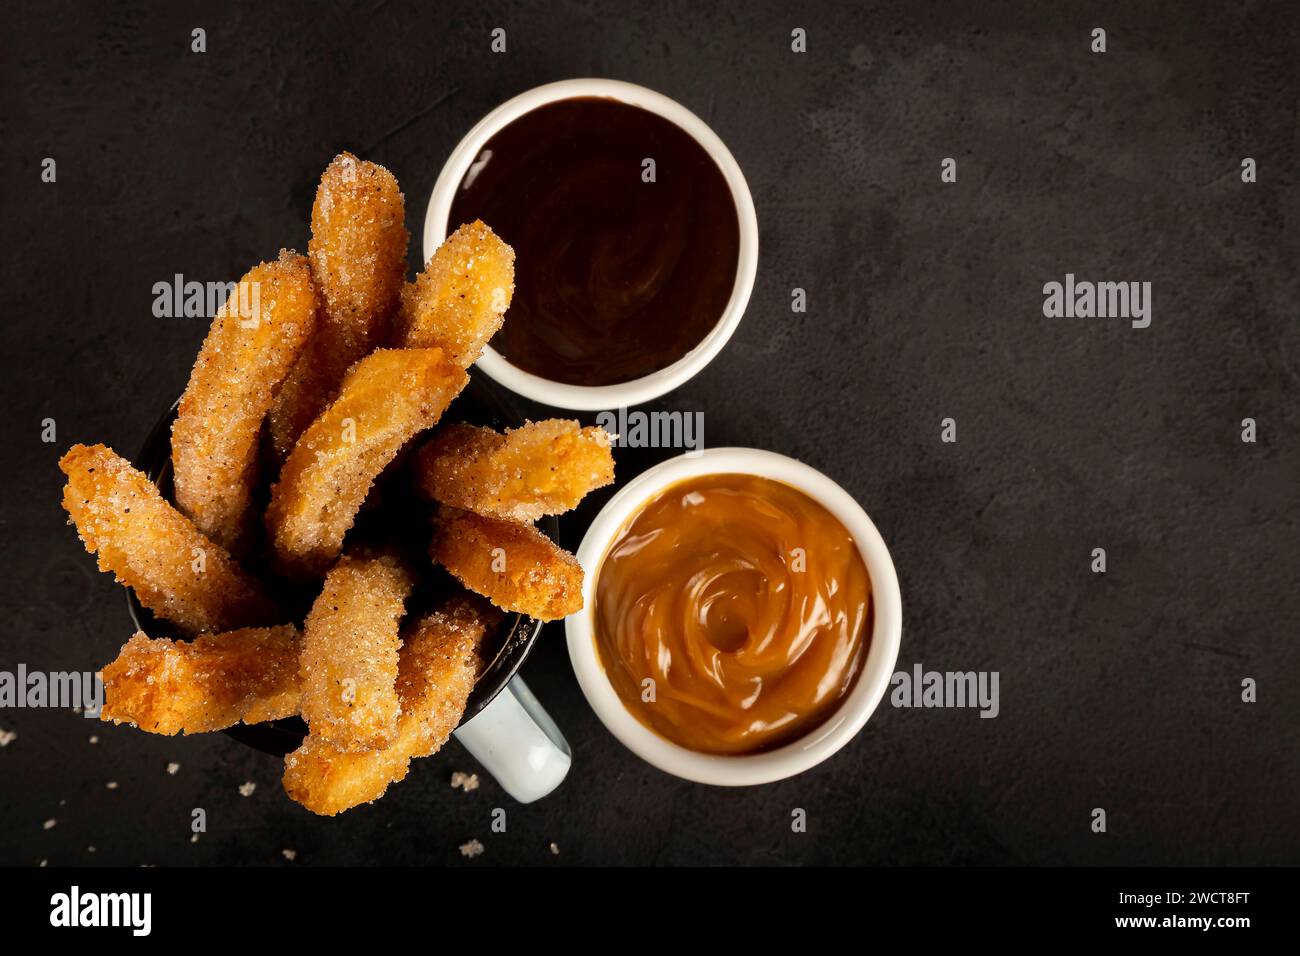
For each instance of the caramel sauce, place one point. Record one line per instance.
(616, 277)
(747, 604)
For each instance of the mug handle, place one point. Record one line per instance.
(517, 743)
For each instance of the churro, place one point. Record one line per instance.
(210, 683)
(349, 653)
(244, 359)
(513, 565)
(358, 259)
(152, 548)
(457, 303)
(386, 399)
(542, 468)
(436, 674)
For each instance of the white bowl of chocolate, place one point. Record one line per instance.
(635, 236)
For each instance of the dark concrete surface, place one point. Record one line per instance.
(1119, 691)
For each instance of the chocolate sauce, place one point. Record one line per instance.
(615, 277)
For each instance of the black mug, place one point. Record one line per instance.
(504, 726)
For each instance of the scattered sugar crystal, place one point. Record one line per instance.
(7, 737)
(194, 838)
(172, 768)
(246, 789)
(111, 785)
(290, 854)
(90, 849)
(464, 781)
(471, 849)
(94, 739)
(44, 863)
(49, 824)
(555, 850)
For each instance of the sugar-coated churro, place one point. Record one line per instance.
(358, 258)
(210, 683)
(244, 359)
(513, 565)
(152, 548)
(457, 303)
(542, 468)
(349, 653)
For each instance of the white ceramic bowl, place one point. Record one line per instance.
(819, 743)
(624, 394)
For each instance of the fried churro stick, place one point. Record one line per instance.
(213, 682)
(386, 399)
(542, 468)
(513, 565)
(458, 301)
(155, 550)
(436, 674)
(254, 341)
(358, 259)
(349, 653)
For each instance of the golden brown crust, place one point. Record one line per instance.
(212, 682)
(349, 653)
(358, 259)
(386, 399)
(243, 361)
(155, 550)
(542, 468)
(458, 301)
(513, 565)
(437, 670)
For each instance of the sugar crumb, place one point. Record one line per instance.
(471, 849)
(7, 737)
(290, 855)
(172, 768)
(464, 781)
(246, 789)
(555, 850)
(49, 824)
(111, 785)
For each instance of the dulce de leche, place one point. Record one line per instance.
(732, 614)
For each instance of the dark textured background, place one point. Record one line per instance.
(1119, 691)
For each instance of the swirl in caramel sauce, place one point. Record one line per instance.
(745, 601)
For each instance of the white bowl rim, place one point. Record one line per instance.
(856, 708)
(648, 387)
